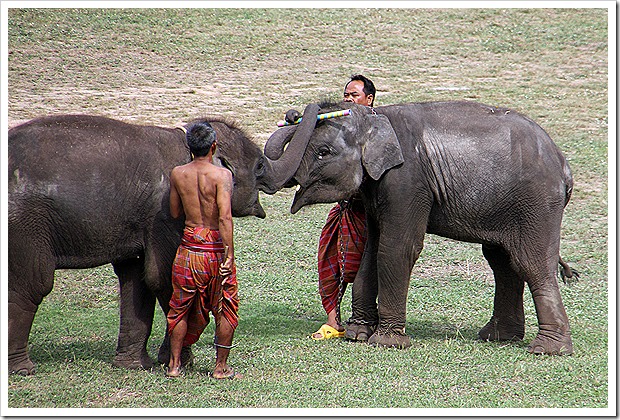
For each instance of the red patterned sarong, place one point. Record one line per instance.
(352, 221)
(197, 284)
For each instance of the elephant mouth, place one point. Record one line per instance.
(313, 192)
(298, 199)
(259, 211)
(319, 191)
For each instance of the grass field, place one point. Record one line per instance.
(164, 66)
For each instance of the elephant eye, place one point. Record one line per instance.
(323, 151)
(260, 168)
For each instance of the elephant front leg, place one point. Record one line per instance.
(392, 314)
(364, 315)
(31, 278)
(163, 356)
(395, 260)
(20, 323)
(136, 313)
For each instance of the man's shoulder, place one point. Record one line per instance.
(178, 169)
(216, 173)
(184, 166)
(222, 172)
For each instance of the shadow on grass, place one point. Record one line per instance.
(80, 349)
(272, 322)
(443, 329)
(279, 321)
(440, 329)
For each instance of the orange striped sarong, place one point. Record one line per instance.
(344, 232)
(197, 285)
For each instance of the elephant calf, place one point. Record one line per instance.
(461, 170)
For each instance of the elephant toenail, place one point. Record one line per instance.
(537, 350)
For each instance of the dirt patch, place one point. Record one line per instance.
(171, 65)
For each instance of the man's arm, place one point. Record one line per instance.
(176, 205)
(224, 189)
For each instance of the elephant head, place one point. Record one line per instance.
(243, 158)
(340, 153)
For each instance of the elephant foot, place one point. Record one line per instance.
(133, 361)
(187, 356)
(22, 367)
(390, 337)
(359, 331)
(554, 345)
(493, 331)
(163, 356)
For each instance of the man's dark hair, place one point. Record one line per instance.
(200, 137)
(369, 86)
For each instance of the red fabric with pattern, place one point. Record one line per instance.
(353, 221)
(197, 284)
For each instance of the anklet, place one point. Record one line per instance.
(223, 346)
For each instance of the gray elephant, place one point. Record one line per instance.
(86, 191)
(460, 170)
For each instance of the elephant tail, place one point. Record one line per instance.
(568, 274)
(568, 182)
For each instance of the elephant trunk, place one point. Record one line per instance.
(274, 148)
(280, 166)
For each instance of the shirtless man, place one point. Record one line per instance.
(204, 274)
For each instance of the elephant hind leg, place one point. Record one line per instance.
(554, 337)
(540, 274)
(508, 320)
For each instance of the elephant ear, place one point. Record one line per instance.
(219, 160)
(381, 150)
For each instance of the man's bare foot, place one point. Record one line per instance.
(174, 373)
(228, 373)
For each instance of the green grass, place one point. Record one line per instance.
(162, 66)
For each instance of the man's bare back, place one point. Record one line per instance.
(201, 191)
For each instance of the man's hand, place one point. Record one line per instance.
(226, 267)
(291, 116)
